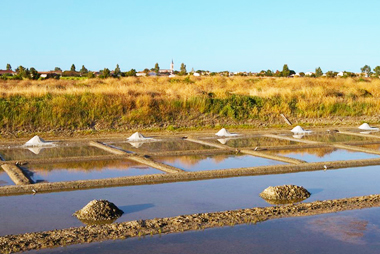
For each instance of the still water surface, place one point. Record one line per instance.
(30, 213)
(348, 232)
(324, 154)
(72, 171)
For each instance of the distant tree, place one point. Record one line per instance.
(285, 71)
(366, 69)
(90, 74)
(318, 72)
(278, 73)
(131, 73)
(72, 67)
(156, 68)
(22, 72)
(83, 71)
(331, 74)
(57, 69)
(9, 67)
(268, 73)
(106, 73)
(377, 70)
(117, 71)
(183, 69)
(33, 74)
(302, 74)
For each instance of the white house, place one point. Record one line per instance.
(309, 73)
(340, 74)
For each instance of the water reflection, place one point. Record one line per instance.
(329, 137)
(254, 142)
(50, 152)
(323, 154)
(343, 228)
(161, 146)
(88, 170)
(204, 162)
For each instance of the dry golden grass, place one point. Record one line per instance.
(147, 100)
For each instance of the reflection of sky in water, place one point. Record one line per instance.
(324, 154)
(359, 234)
(38, 212)
(88, 170)
(4, 179)
(198, 163)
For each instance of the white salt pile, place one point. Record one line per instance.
(365, 126)
(137, 137)
(225, 133)
(299, 130)
(37, 141)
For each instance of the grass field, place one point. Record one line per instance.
(196, 102)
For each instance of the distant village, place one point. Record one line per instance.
(22, 72)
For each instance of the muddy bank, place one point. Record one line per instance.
(200, 221)
(182, 176)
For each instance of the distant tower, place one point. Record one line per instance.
(172, 67)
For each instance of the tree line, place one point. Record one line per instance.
(31, 73)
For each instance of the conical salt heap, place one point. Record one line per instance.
(37, 141)
(225, 133)
(99, 210)
(299, 129)
(285, 194)
(365, 126)
(137, 137)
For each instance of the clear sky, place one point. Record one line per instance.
(240, 35)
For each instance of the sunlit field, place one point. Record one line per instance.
(160, 102)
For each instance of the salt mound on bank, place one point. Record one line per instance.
(99, 210)
(285, 193)
(299, 130)
(365, 126)
(225, 133)
(137, 137)
(37, 141)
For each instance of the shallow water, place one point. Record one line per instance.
(252, 142)
(339, 233)
(160, 146)
(72, 171)
(5, 179)
(50, 152)
(323, 154)
(330, 137)
(212, 162)
(30, 213)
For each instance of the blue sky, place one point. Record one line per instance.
(219, 35)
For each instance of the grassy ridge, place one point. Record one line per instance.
(182, 102)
